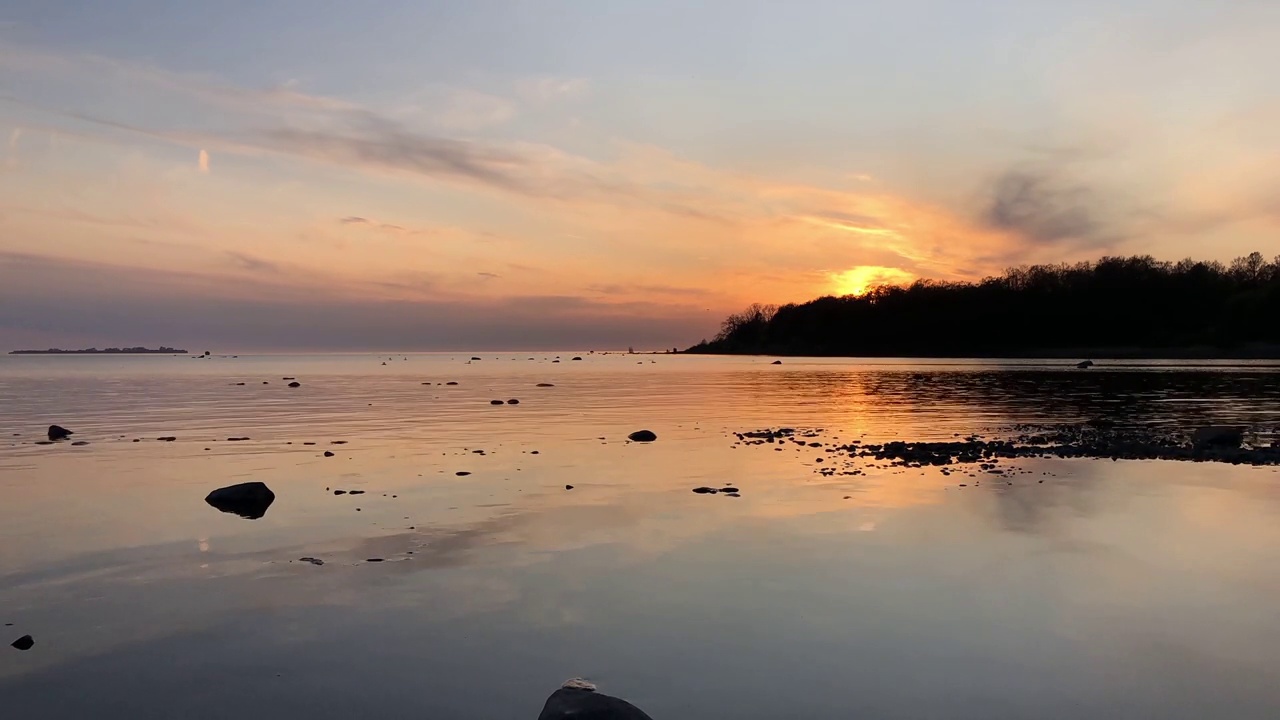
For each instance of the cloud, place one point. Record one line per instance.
(251, 263)
(356, 220)
(202, 161)
(1037, 206)
(547, 89)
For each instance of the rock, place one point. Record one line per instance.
(1218, 436)
(237, 439)
(339, 492)
(313, 561)
(733, 494)
(295, 383)
(462, 473)
(288, 378)
(776, 362)
(513, 401)
(545, 385)
(475, 358)
(80, 443)
(44, 442)
(26, 642)
(167, 438)
(578, 700)
(642, 436)
(357, 492)
(575, 358)
(705, 490)
(729, 490)
(328, 453)
(496, 402)
(337, 442)
(239, 383)
(1085, 365)
(452, 382)
(374, 560)
(248, 500)
(568, 487)
(57, 432)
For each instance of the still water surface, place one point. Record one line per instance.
(1112, 589)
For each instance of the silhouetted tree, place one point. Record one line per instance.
(1115, 302)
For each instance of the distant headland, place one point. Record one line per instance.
(1114, 307)
(162, 350)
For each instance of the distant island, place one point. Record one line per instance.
(108, 351)
(1115, 307)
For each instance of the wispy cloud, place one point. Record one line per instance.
(202, 162)
(546, 89)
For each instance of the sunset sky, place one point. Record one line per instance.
(509, 174)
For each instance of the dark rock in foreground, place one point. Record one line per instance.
(1085, 365)
(248, 500)
(776, 362)
(26, 642)
(1219, 436)
(57, 432)
(578, 700)
(642, 436)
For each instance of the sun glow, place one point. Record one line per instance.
(858, 280)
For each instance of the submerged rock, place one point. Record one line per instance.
(578, 700)
(57, 432)
(1218, 436)
(642, 436)
(248, 500)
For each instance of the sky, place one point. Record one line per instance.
(548, 174)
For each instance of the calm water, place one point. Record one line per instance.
(1112, 589)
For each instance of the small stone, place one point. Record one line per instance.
(374, 560)
(568, 487)
(496, 402)
(167, 438)
(462, 473)
(705, 490)
(357, 492)
(545, 385)
(328, 453)
(642, 436)
(729, 490)
(313, 561)
(575, 358)
(293, 384)
(339, 492)
(451, 382)
(513, 401)
(80, 443)
(24, 643)
(776, 362)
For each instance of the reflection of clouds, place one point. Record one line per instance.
(203, 544)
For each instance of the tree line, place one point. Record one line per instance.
(1131, 304)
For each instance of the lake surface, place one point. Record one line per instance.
(1073, 589)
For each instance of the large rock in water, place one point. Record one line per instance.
(579, 701)
(57, 432)
(1218, 436)
(248, 500)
